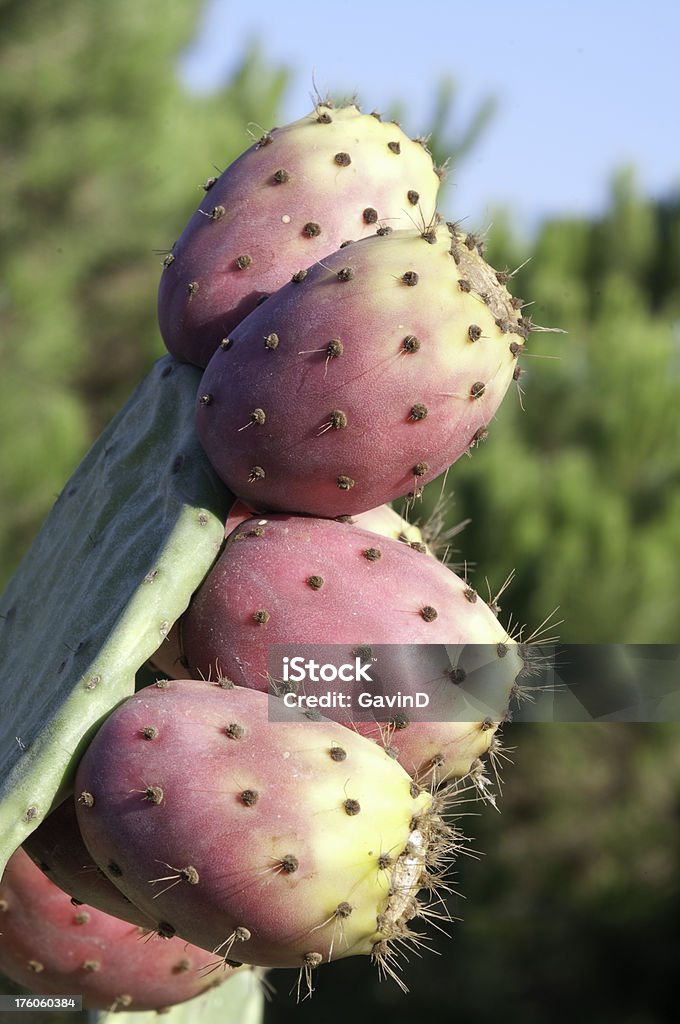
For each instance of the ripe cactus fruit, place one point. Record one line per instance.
(289, 200)
(54, 948)
(300, 580)
(57, 848)
(283, 843)
(391, 358)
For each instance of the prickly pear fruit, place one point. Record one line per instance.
(52, 947)
(292, 198)
(300, 580)
(283, 843)
(57, 848)
(365, 380)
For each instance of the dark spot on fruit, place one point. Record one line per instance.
(470, 595)
(280, 177)
(114, 869)
(299, 276)
(464, 285)
(501, 650)
(384, 230)
(343, 159)
(225, 344)
(474, 332)
(153, 794)
(249, 797)
(182, 966)
(343, 909)
(428, 613)
(256, 473)
(192, 288)
(345, 274)
(370, 215)
(372, 554)
(82, 917)
(515, 348)
(289, 864)
(338, 753)
(261, 616)
(244, 261)
(345, 483)
(410, 343)
(315, 582)
(217, 213)
(338, 419)
(258, 417)
(457, 675)
(517, 373)
(410, 278)
(334, 348)
(86, 799)
(418, 546)
(205, 399)
(189, 874)
(234, 731)
(324, 118)
(271, 342)
(166, 930)
(311, 229)
(487, 724)
(208, 184)
(503, 324)
(394, 147)
(352, 807)
(150, 732)
(477, 389)
(421, 468)
(168, 260)
(385, 861)
(401, 721)
(413, 197)
(418, 412)
(430, 236)
(415, 790)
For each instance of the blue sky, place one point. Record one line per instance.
(583, 88)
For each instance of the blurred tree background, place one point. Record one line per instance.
(573, 909)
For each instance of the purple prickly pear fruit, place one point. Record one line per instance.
(296, 580)
(53, 948)
(277, 843)
(57, 848)
(363, 382)
(288, 201)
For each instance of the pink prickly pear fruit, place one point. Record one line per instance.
(288, 201)
(277, 843)
(290, 580)
(57, 848)
(53, 948)
(364, 381)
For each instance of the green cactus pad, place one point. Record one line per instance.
(238, 1001)
(126, 544)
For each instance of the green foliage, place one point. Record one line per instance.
(102, 155)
